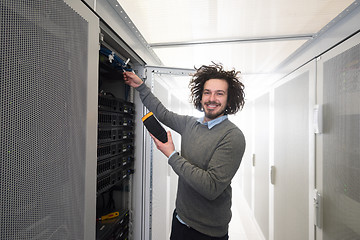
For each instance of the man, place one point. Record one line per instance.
(211, 151)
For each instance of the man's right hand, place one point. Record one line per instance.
(132, 79)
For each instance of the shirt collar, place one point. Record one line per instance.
(214, 122)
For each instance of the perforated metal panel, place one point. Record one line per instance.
(341, 146)
(43, 72)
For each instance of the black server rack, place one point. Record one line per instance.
(115, 150)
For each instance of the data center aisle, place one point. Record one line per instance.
(242, 226)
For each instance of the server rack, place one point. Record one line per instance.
(115, 150)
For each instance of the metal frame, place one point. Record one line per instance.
(148, 147)
(239, 40)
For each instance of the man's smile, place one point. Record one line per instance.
(212, 105)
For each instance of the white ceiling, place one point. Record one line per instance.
(252, 36)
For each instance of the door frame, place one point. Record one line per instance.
(147, 74)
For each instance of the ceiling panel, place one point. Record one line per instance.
(260, 34)
(187, 20)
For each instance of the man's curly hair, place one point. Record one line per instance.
(236, 95)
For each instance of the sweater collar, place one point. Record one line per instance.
(214, 122)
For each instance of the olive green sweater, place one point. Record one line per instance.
(209, 160)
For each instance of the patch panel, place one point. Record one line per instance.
(111, 149)
(129, 108)
(106, 182)
(119, 229)
(114, 119)
(127, 121)
(109, 134)
(110, 119)
(109, 103)
(126, 160)
(107, 165)
(127, 146)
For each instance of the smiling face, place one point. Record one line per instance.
(214, 98)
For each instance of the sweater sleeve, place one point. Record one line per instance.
(169, 118)
(225, 161)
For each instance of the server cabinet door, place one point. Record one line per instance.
(48, 72)
(292, 171)
(337, 150)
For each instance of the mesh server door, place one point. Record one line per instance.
(46, 120)
(338, 155)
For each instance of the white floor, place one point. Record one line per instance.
(236, 228)
(242, 225)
